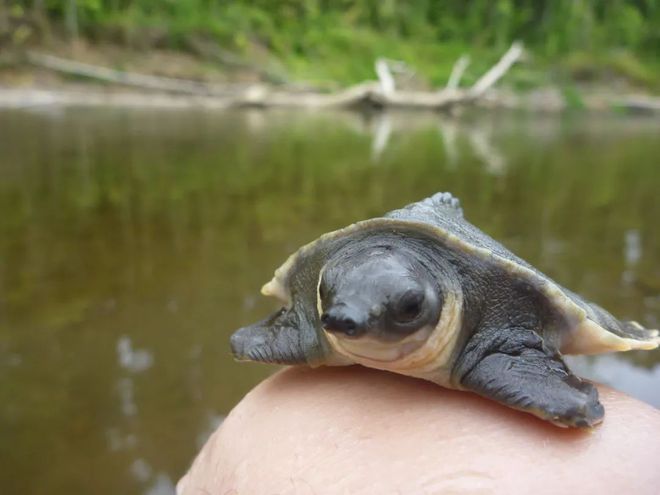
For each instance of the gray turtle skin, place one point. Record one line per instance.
(422, 292)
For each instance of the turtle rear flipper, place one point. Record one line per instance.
(596, 331)
(634, 330)
(635, 335)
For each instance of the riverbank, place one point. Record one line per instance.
(335, 43)
(85, 74)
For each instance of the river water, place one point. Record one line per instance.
(132, 242)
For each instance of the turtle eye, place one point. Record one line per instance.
(409, 306)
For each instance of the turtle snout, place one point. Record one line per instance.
(344, 320)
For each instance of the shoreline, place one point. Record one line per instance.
(90, 78)
(542, 101)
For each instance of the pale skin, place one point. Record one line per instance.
(358, 431)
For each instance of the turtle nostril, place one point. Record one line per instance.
(349, 327)
(339, 323)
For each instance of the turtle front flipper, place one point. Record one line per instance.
(514, 367)
(279, 339)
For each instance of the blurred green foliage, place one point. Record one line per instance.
(338, 40)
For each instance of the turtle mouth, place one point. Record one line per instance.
(367, 349)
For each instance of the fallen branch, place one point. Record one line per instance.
(457, 72)
(385, 77)
(637, 104)
(354, 95)
(380, 94)
(170, 85)
(498, 70)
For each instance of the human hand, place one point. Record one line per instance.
(359, 431)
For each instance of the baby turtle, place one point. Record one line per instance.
(422, 292)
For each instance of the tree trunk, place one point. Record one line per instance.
(72, 19)
(4, 17)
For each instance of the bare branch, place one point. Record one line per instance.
(387, 84)
(498, 70)
(115, 76)
(457, 72)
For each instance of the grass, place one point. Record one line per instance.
(333, 52)
(336, 43)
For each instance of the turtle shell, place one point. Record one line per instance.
(587, 329)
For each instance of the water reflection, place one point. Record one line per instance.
(493, 160)
(131, 359)
(479, 136)
(133, 242)
(620, 373)
(381, 136)
(161, 485)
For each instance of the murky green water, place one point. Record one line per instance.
(133, 242)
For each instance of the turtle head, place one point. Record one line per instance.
(380, 303)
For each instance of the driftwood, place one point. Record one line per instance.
(497, 71)
(637, 104)
(457, 72)
(384, 93)
(385, 77)
(143, 81)
(381, 93)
